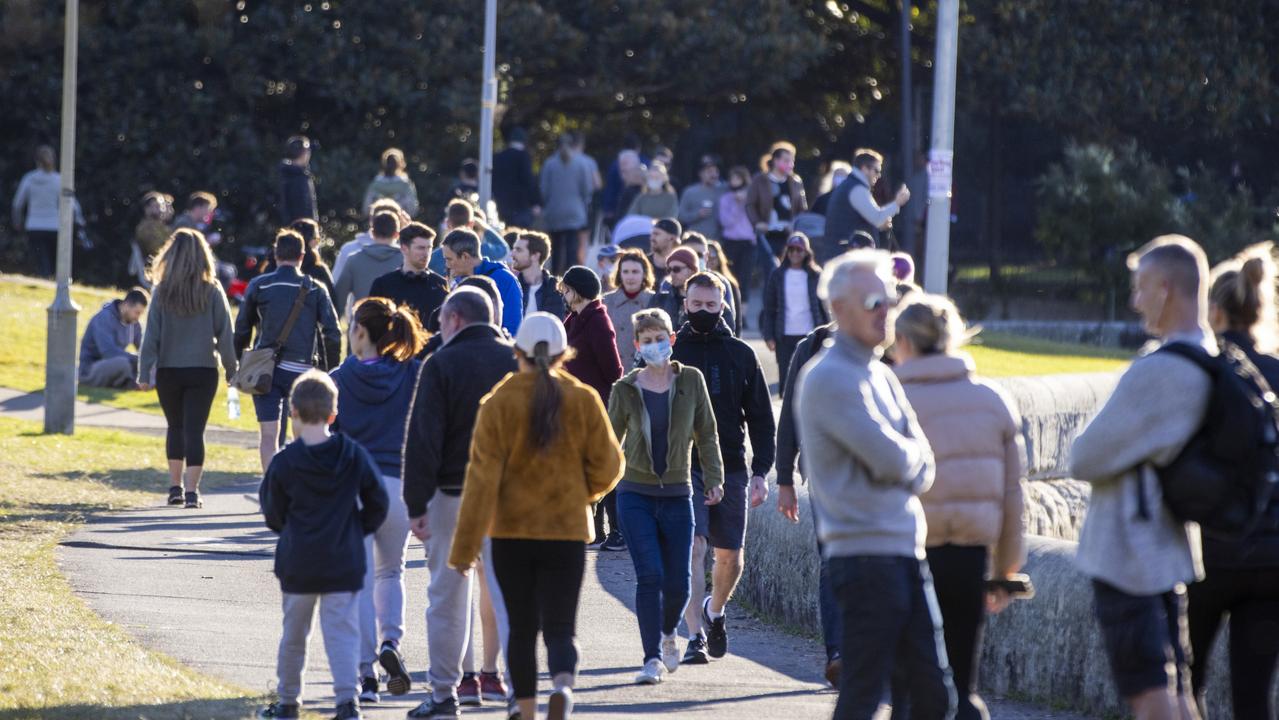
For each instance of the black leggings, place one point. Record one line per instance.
(1251, 597)
(959, 578)
(541, 582)
(186, 395)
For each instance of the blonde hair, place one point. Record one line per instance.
(1243, 288)
(838, 273)
(652, 319)
(184, 273)
(314, 397)
(932, 324)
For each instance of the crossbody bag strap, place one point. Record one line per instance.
(293, 315)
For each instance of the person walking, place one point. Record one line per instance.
(740, 398)
(791, 307)
(664, 236)
(297, 188)
(699, 205)
(1242, 576)
(188, 334)
(541, 289)
(974, 508)
(853, 208)
(375, 388)
(35, 210)
(461, 250)
(718, 263)
(380, 257)
(566, 186)
(150, 235)
(775, 196)
(392, 182)
(867, 461)
(299, 337)
(660, 412)
(364, 238)
(105, 360)
(657, 199)
(453, 380)
(634, 280)
(738, 231)
(1139, 563)
(543, 451)
(414, 284)
(514, 186)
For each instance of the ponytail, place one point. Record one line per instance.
(396, 331)
(544, 412)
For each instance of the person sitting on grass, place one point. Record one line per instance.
(105, 360)
(309, 496)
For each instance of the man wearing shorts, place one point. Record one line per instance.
(741, 400)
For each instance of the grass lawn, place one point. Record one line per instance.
(58, 659)
(1003, 355)
(23, 304)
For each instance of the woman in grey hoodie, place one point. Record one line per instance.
(393, 182)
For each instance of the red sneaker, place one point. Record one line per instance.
(468, 691)
(492, 688)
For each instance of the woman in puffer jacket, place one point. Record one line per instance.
(974, 508)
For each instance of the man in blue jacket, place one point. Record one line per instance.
(461, 249)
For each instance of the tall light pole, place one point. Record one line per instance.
(942, 155)
(60, 355)
(488, 102)
(908, 133)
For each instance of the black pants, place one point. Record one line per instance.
(741, 260)
(1251, 597)
(607, 508)
(786, 345)
(186, 395)
(44, 248)
(959, 577)
(541, 583)
(563, 250)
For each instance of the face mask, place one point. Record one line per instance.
(703, 321)
(654, 184)
(658, 353)
(608, 268)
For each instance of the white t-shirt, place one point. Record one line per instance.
(530, 299)
(799, 314)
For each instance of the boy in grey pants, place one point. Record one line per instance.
(309, 496)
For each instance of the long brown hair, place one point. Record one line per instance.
(544, 411)
(725, 267)
(184, 273)
(396, 331)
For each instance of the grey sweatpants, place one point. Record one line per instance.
(116, 372)
(382, 600)
(340, 625)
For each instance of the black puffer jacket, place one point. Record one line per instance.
(773, 319)
(297, 194)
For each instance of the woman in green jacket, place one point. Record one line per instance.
(660, 412)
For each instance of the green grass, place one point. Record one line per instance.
(23, 304)
(1024, 274)
(1002, 355)
(58, 659)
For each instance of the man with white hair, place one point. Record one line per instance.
(867, 462)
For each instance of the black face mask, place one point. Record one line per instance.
(703, 321)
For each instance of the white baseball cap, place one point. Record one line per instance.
(541, 327)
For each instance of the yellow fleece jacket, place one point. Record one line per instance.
(515, 491)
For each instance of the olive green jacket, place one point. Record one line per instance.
(692, 422)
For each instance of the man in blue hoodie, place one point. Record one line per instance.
(105, 360)
(461, 250)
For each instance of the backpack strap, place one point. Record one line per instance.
(1202, 360)
(294, 312)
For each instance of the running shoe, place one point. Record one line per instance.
(348, 710)
(368, 690)
(670, 653)
(716, 634)
(468, 691)
(614, 543)
(433, 709)
(651, 673)
(278, 710)
(175, 494)
(492, 688)
(193, 501)
(695, 653)
(397, 681)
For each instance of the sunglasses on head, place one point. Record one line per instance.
(876, 302)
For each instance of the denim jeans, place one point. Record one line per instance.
(892, 637)
(659, 536)
(827, 604)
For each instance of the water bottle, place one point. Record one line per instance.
(233, 403)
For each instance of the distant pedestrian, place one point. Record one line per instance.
(738, 231)
(201, 215)
(35, 209)
(657, 200)
(605, 267)
(775, 196)
(700, 246)
(461, 250)
(312, 265)
(188, 335)
(541, 291)
(635, 283)
(392, 182)
(105, 360)
(853, 208)
(681, 264)
(150, 235)
(663, 238)
(660, 412)
(414, 284)
(322, 494)
(514, 186)
(614, 182)
(791, 307)
(699, 205)
(567, 187)
(831, 180)
(297, 187)
(370, 263)
(543, 451)
(717, 262)
(375, 388)
(467, 185)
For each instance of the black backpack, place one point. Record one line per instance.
(1226, 475)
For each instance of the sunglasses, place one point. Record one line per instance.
(876, 302)
(676, 268)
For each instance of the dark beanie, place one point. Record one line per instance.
(669, 225)
(584, 281)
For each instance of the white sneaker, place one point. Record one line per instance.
(651, 673)
(670, 653)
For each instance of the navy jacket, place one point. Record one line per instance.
(787, 432)
(322, 500)
(267, 302)
(297, 194)
(548, 298)
(373, 406)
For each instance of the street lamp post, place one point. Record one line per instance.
(60, 356)
(488, 102)
(942, 155)
(908, 133)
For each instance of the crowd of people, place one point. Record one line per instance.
(523, 405)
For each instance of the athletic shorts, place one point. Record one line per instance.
(723, 525)
(1146, 638)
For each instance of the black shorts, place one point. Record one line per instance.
(723, 525)
(1146, 638)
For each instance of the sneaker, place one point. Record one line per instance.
(833, 670)
(278, 710)
(175, 494)
(560, 705)
(716, 635)
(468, 691)
(192, 500)
(651, 673)
(368, 690)
(695, 654)
(513, 710)
(348, 710)
(492, 688)
(670, 653)
(397, 681)
(614, 543)
(436, 709)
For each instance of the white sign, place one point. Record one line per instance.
(941, 166)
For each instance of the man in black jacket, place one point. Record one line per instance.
(414, 284)
(297, 188)
(437, 444)
(741, 400)
(268, 301)
(515, 187)
(528, 255)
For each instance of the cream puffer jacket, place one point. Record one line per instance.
(975, 433)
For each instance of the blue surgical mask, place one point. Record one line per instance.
(656, 353)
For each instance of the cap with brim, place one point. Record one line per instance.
(607, 251)
(541, 327)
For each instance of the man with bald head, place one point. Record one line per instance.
(1138, 555)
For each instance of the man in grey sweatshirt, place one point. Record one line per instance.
(1137, 554)
(105, 360)
(867, 461)
(370, 262)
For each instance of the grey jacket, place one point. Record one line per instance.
(865, 456)
(172, 340)
(107, 337)
(1157, 406)
(361, 269)
(566, 192)
(267, 303)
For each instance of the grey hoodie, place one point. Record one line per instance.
(107, 337)
(368, 264)
(865, 456)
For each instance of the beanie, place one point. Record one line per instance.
(584, 281)
(684, 255)
(669, 225)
